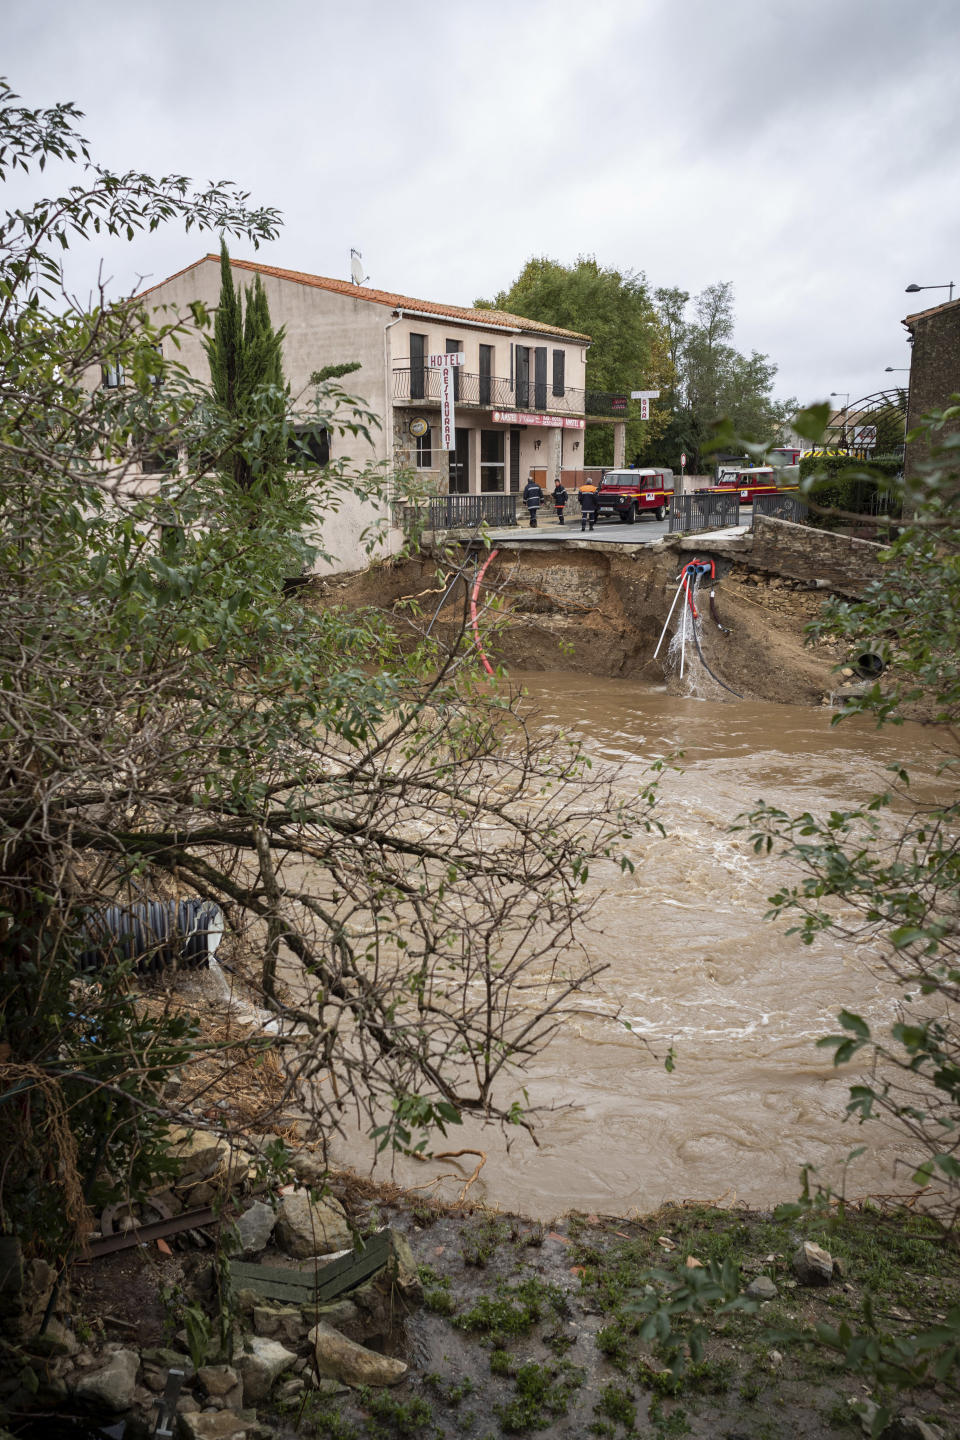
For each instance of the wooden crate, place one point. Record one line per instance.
(318, 1282)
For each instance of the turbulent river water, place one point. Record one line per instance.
(692, 963)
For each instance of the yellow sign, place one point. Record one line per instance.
(419, 427)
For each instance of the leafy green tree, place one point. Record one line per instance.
(614, 308)
(168, 718)
(712, 381)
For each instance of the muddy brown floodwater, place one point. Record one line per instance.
(693, 964)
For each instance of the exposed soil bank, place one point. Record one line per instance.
(599, 610)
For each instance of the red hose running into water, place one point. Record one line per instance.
(473, 610)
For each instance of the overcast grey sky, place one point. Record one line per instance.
(806, 152)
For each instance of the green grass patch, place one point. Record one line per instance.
(512, 1311)
(390, 1419)
(617, 1404)
(542, 1393)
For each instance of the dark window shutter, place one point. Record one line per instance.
(559, 359)
(540, 377)
(486, 374)
(515, 461)
(418, 349)
(453, 346)
(523, 376)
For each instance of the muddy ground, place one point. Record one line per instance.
(600, 611)
(530, 1329)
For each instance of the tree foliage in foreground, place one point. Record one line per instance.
(889, 871)
(400, 856)
(612, 307)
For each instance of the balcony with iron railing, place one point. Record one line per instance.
(413, 385)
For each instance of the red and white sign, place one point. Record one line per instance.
(644, 409)
(683, 461)
(448, 419)
(555, 422)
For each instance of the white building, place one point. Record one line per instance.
(520, 399)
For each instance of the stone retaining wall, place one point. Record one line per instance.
(796, 552)
(801, 552)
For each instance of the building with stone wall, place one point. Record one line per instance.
(519, 394)
(934, 370)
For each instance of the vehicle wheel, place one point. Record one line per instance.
(661, 512)
(632, 515)
(624, 517)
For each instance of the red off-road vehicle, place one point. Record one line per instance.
(629, 493)
(757, 480)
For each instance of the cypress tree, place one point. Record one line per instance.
(246, 374)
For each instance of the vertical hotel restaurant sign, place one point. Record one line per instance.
(448, 419)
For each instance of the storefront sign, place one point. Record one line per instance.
(555, 422)
(418, 426)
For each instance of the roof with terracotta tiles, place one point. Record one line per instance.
(496, 319)
(909, 320)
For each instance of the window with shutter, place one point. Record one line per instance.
(418, 350)
(540, 377)
(559, 359)
(523, 376)
(453, 347)
(486, 374)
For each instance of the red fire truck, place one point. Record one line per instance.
(630, 493)
(757, 480)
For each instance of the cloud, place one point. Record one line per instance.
(806, 152)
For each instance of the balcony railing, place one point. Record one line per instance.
(421, 386)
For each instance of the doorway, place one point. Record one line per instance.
(460, 464)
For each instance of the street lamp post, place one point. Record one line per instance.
(897, 370)
(845, 396)
(915, 289)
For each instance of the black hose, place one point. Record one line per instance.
(706, 667)
(715, 617)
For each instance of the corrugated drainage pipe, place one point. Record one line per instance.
(869, 665)
(154, 934)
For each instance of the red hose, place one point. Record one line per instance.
(473, 611)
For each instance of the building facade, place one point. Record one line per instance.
(934, 371)
(519, 392)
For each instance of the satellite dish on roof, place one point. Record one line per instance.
(356, 267)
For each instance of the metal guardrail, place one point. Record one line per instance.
(703, 512)
(782, 507)
(458, 512)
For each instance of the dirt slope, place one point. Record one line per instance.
(600, 611)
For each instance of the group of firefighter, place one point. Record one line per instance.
(533, 498)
